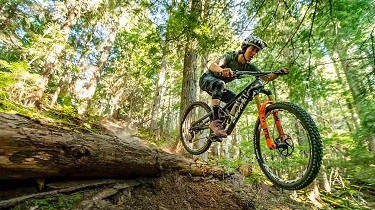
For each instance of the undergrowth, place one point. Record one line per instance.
(61, 201)
(66, 117)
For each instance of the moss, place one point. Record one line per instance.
(60, 201)
(66, 118)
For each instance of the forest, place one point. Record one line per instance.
(139, 62)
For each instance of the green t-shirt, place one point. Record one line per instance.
(230, 60)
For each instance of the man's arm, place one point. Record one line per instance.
(215, 67)
(269, 77)
(272, 76)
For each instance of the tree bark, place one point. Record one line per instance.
(157, 97)
(34, 149)
(189, 87)
(203, 68)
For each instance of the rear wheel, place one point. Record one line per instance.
(297, 162)
(194, 130)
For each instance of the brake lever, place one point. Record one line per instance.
(236, 75)
(279, 72)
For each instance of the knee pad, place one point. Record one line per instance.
(218, 89)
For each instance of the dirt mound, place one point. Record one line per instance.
(181, 192)
(171, 191)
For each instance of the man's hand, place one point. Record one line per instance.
(227, 72)
(284, 70)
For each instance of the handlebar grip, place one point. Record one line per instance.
(279, 72)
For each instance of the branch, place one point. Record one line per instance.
(274, 14)
(256, 13)
(310, 36)
(372, 46)
(299, 25)
(287, 8)
(340, 60)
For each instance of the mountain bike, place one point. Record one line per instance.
(287, 143)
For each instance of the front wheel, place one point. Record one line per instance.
(296, 163)
(194, 130)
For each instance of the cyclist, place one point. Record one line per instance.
(220, 72)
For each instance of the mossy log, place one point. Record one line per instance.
(33, 149)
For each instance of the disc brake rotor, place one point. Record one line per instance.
(285, 147)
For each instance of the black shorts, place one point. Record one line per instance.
(207, 83)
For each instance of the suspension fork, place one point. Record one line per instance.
(262, 117)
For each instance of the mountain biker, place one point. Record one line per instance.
(221, 72)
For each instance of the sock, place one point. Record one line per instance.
(216, 112)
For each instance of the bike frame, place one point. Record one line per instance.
(244, 97)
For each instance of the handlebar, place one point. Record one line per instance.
(238, 74)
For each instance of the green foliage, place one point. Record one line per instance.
(69, 111)
(11, 107)
(65, 114)
(16, 80)
(368, 118)
(360, 165)
(152, 138)
(145, 134)
(61, 201)
(255, 178)
(8, 71)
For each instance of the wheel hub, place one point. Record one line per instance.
(286, 146)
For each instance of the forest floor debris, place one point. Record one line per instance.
(171, 191)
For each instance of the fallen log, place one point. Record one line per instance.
(33, 149)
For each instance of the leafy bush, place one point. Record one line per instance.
(16, 79)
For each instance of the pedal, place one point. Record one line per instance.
(214, 138)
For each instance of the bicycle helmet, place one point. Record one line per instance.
(254, 41)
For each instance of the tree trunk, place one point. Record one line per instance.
(52, 60)
(351, 75)
(357, 89)
(349, 103)
(77, 75)
(33, 149)
(236, 143)
(157, 97)
(202, 97)
(61, 82)
(58, 88)
(99, 68)
(226, 148)
(167, 116)
(189, 86)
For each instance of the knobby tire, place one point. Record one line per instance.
(312, 136)
(185, 125)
